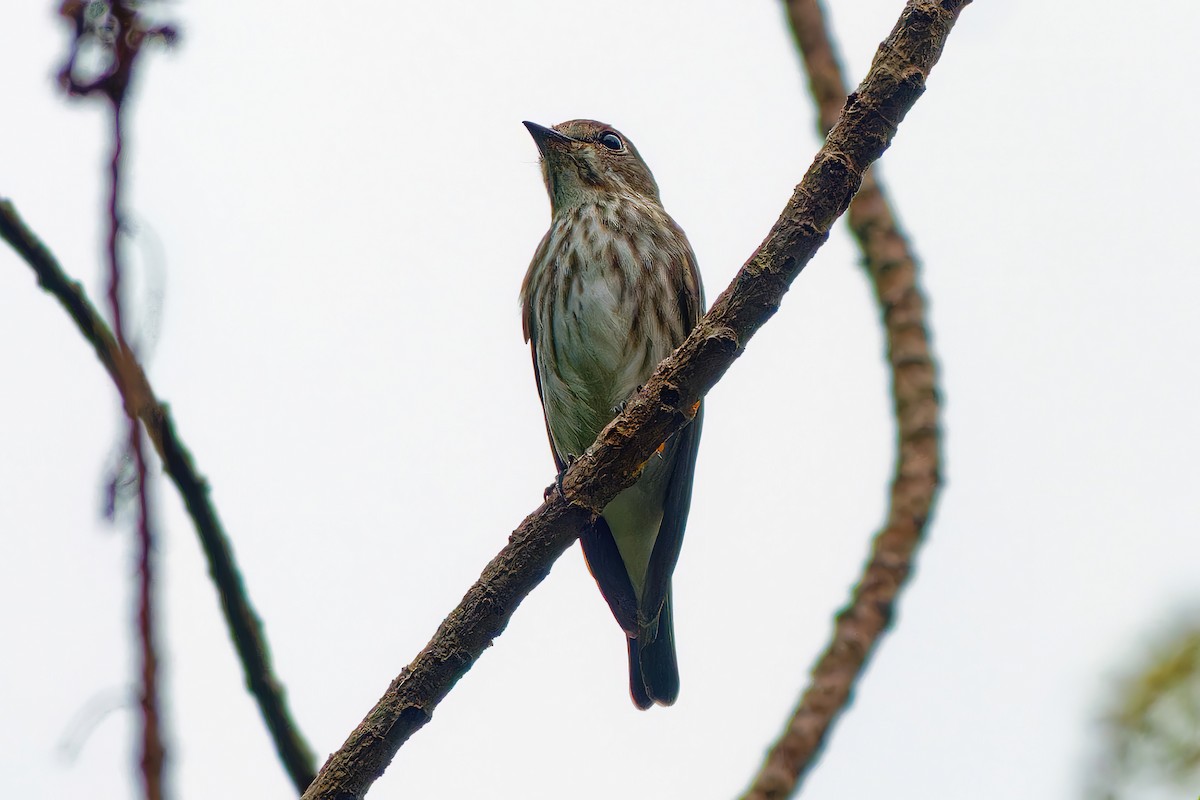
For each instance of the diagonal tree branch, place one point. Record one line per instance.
(896, 79)
(892, 269)
(244, 626)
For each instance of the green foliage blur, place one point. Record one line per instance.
(1151, 729)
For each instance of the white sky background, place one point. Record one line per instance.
(338, 208)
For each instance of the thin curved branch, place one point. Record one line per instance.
(896, 80)
(244, 626)
(892, 269)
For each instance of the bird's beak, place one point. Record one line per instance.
(546, 138)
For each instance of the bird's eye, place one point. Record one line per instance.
(610, 140)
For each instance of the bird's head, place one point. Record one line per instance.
(584, 160)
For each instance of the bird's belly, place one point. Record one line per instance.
(603, 357)
(602, 347)
(601, 360)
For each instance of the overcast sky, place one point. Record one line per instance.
(332, 213)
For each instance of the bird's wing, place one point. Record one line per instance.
(529, 329)
(559, 463)
(682, 452)
(605, 563)
(675, 513)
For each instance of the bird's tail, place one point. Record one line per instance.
(653, 669)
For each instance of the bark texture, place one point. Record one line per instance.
(892, 270)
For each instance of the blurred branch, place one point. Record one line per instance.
(118, 29)
(153, 753)
(121, 32)
(892, 269)
(896, 80)
(244, 626)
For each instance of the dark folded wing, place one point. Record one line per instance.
(605, 563)
(675, 513)
(559, 464)
(682, 452)
(529, 329)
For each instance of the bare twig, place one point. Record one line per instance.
(153, 752)
(664, 405)
(892, 269)
(119, 29)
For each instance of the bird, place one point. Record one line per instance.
(613, 288)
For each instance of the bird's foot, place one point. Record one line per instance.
(558, 479)
(619, 407)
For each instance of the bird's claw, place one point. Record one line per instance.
(558, 480)
(620, 407)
